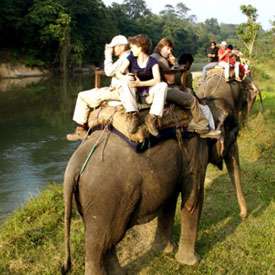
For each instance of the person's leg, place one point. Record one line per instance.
(237, 71)
(226, 67)
(128, 99)
(157, 96)
(208, 114)
(199, 123)
(206, 68)
(159, 93)
(80, 116)
(188, 101)
(82, 106)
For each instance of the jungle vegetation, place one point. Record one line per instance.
(69, 33)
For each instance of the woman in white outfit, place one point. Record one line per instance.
(146, 82)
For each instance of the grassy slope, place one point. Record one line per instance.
(31, 240)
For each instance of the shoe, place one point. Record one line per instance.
(133, 122)
(238, 79)
(79, 134)
(151, 122)
(200, 127)
(212, 134)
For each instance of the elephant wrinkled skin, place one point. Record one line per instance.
(127, 188)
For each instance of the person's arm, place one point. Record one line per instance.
(210, 54)
(148, 83)
(110, 67)
(120, 73)
(222, 55)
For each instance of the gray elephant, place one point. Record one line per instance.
(230, 104)
(124, 188)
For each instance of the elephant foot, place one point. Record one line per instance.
(165, 247)
(187, 258)
(169, 248)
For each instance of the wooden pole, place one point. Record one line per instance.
(98, 73)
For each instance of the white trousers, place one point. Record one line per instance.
(92, 99)
(208, 114)
(156, 97)
(226, 67)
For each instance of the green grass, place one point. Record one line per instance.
(31, 240)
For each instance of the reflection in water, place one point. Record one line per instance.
(9, 83)
(33, 151)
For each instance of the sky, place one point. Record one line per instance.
(226, 11)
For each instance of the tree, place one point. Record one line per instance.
(169, 11)
(136, 8)
(182, 10)
(248, 31)
(51, 22)
(212, 26)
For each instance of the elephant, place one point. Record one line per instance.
(125, 188)
(230, 104)
(116, 188)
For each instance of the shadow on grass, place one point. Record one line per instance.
(220, 216)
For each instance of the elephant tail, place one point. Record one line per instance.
(69, 185)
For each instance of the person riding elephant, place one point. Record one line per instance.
(92, 98)
(184, 98)
(146, 82)
(212, 54)
(227, 59)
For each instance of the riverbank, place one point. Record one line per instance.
(9, 70)
(31, 240)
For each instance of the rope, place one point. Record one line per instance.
(109, 121)
(220, 76)
(91, 152)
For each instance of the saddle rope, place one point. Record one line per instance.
(95, 145)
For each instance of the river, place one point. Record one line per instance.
(34, 120)
(35, 116)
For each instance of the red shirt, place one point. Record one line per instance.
(221, 52)
(232, 59)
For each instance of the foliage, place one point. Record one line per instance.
(66, 33)
(248, 31)
(136, 8)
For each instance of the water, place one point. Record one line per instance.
(35, 116)
(34, 120)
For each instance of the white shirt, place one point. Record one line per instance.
(111, 68)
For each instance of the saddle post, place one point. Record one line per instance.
(98, 73)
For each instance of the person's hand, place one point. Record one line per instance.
(108, 51)
(172, 59)
(170, 78)
(134, 83)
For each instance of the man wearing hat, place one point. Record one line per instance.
(118, 47)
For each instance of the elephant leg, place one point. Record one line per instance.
(189, 228)
(94, 250)
(163, 238)
(233, 168)
(112, 264)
